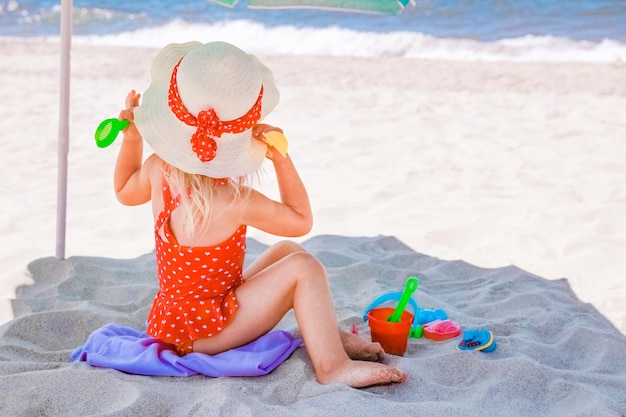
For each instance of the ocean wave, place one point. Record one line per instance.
(335, 41)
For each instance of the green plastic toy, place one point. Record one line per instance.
(108, 130)
(409, 289)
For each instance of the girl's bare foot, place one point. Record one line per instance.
(359, 374)
(360, 349)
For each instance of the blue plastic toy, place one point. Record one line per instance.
(430, 315)
(481, 340)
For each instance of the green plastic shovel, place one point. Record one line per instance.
(108, 130)
(409, 289)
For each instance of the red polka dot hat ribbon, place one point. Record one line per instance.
(208, 124)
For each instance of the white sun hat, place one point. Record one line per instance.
(204, 99)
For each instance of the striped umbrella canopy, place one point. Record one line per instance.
(370, 6)
(366, 6)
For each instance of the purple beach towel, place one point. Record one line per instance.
(129, 350)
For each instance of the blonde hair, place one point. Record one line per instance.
(198, 194)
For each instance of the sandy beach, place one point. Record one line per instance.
(500, 184)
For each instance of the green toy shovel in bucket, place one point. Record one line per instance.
(409, 289)
(107, 131)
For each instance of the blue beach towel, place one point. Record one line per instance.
(129, 350)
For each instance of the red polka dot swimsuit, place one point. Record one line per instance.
(197, 285)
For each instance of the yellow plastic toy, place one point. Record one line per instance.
(277, 141)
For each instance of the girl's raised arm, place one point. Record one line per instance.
(291, 216)
(131, 179)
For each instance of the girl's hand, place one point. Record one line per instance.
(132, 101)
(257, 133)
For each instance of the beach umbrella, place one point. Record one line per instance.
(371, 6)
(64, 125)
(367, 6)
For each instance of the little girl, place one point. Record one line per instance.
(201, 117)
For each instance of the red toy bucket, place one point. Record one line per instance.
(393, 336)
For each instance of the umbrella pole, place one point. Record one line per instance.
(64, 125)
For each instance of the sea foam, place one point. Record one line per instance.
(335, 41)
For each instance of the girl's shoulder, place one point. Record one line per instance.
(154, 160)
(154, 167)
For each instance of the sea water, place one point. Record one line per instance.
(513, 30)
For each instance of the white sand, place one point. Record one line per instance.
(495, 164)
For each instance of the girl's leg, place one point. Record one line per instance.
(272, 255)
(355, 346)
(297, 281)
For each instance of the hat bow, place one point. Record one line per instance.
(208, 124)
